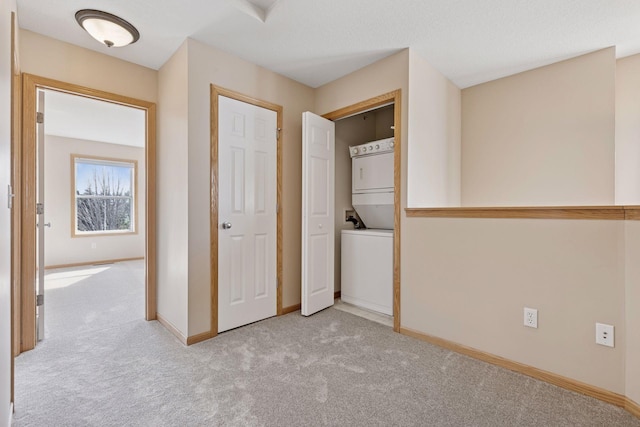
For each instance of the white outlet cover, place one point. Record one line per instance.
(605, 335)
(530, 317)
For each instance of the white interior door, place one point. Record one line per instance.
(247, 189)
(318, 198)
(40, 216)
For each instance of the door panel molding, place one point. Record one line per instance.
(30, 85)
(217, 91)
(394, 97)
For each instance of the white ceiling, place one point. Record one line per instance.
(317, 41)
(74, 116)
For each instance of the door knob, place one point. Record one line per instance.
(226, 225)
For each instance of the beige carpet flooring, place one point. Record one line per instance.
(91, 298)
(333, 368)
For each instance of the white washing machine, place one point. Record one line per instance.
(367, 269)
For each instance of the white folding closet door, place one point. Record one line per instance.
(318, 199)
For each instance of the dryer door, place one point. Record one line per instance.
(372, 173)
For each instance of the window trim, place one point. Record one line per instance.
(74, 202)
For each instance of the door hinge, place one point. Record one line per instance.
(40, 118)
(277, 283)
(39, 208)
(277, 207)
(39, 300)
(278, 131)
(10, 196)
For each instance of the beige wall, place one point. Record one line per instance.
(468, 280)
(384, 121)
(627, 177)
(208, 65)
(47, 57)
(542, 137)
(632, 311)
(6, 7)
(627, 192)
(172, 196)
(384, 76)
(434, 137)
(61, 248)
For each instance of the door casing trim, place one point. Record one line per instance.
(30, 86)
(217, 91)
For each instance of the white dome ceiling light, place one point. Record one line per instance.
(108, 29)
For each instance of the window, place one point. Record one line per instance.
(104, 195)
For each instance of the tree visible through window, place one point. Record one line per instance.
(104, 195)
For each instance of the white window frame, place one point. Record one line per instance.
(103, 161)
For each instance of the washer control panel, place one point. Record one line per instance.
(373, 147)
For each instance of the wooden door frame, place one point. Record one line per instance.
(217, 91)
(394, 98)
(30, 86)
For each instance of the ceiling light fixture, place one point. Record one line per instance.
(108, 29)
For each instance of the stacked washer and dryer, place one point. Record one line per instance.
(367, 253)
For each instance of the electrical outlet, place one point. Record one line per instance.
(93, 245)
(604, 334)
(530, 317)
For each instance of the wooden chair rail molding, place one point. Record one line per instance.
(539, 212)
